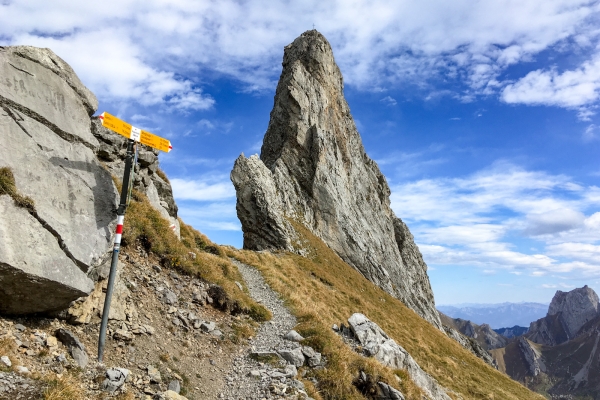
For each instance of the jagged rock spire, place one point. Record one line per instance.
(313, 169)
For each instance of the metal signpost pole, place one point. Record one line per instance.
(115, 257)
(134, 135)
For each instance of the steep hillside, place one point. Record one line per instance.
(323, 290)
(487, 338)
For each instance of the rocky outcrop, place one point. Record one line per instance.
(60, 159)
(48, 251)
(558, 356)
(576, 308)
(313, 170)
(376, 343)
(471, 345)
(512, 332)
(567, 314)
(533, 357)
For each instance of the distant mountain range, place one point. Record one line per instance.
(497, 315)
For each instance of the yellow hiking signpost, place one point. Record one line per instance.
(134, 135)
(131, 132)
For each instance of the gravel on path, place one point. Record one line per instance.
(250, 379)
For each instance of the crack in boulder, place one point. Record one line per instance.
(4, 103)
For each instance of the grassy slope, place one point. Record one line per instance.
(323, 290)
(195, 254)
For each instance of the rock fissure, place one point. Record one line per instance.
(4, 102)
(22, 70)
(61, 243)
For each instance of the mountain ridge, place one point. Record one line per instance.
(499, 315)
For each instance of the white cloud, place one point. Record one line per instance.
(553, 221)
(204, 189)
(569, 89)
(112, 66)
(388, 100)
(471, 199)
(590, 133)
(476, 220)
(148, 51)
(581, 251)
(220, 215)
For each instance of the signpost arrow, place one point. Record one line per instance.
(134, 135)
(131, 132)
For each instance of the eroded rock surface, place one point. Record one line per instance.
(48, 145)
(378, 344)
(567, 314)
(313, 169)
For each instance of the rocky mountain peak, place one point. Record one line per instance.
(313, 170)
(577, 307)
(584, 298)
(567, 314)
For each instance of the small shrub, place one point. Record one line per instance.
(9, 187)
(259, 313)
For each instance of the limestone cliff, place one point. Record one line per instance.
(51, 253)
(313, 169)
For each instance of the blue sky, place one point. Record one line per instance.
(483, 116)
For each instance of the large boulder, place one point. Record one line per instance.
(313, 170)
(48, 252)
(376, 343)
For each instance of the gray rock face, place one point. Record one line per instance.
(115, 378)
(388, 393)
(533, 357)
(577, 307)
(75, 347)
(313, 169)
(48, 145)
(372, 389)
(378, 344)
(567, 314)
(293, 356)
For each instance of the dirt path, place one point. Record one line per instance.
(250, 379)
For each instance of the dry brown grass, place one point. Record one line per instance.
(8, 348)
(322, 290)
(125, 396)
(66, 387)
(9, 187)
(161, 173)
(194, 254)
